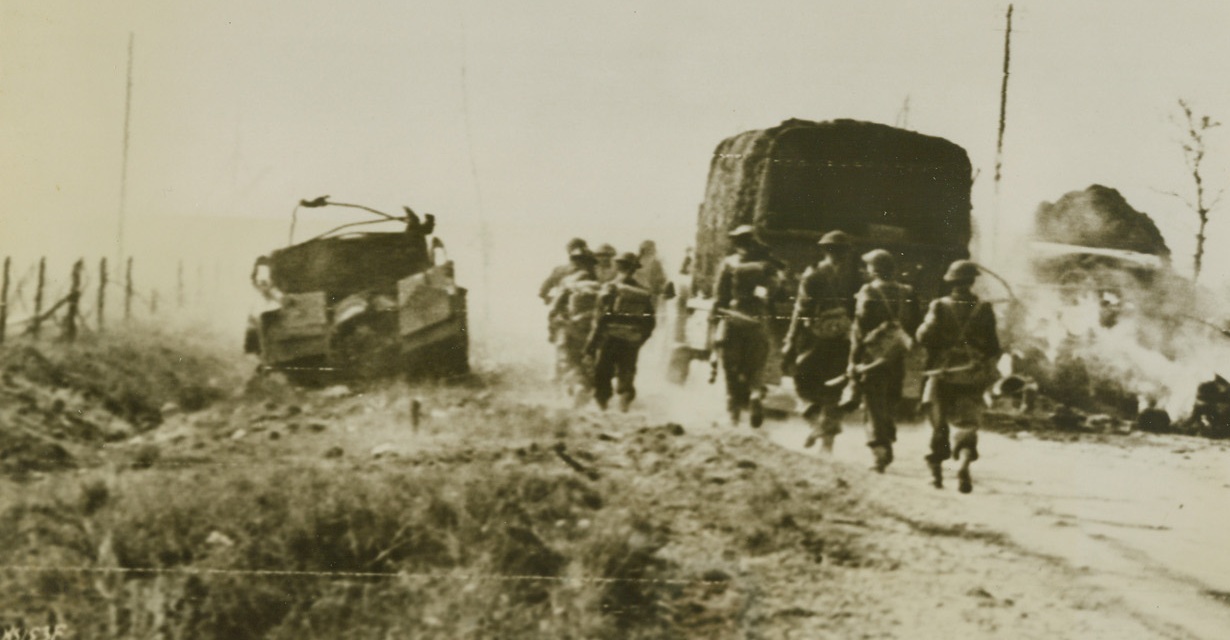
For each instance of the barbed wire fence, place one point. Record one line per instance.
(41, 301)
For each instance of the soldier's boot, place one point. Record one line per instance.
(937, 473)
(756, 410)
(812, 415)
(965, 483)
(882, 458)
(602, 402)
(826, 443)
(735, 414)
(625, 401)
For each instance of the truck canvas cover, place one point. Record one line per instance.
(800, 179)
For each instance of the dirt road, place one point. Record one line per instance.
(1142, 517)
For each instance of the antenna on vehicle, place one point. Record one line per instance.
(323, 201)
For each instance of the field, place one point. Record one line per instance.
(154, 488)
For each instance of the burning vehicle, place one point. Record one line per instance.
(890, 188)
(347, 304)
(1105, 325)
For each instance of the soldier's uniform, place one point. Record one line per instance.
(886, 314)
(625, 321)
(746, 286)
(572, 316)
(818, 340)
(960, 336)
(550, 286)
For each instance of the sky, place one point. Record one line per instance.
(544, 119)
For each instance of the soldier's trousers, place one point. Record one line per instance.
(743, 351)
(955, 414)
(823, 360)
(881, 395)
(574, 367)
(616, 359)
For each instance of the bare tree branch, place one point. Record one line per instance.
(1178, 196)
(1194, 148)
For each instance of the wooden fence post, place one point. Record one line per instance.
(4, 300)
(153, 302)
(128, 290)
(74, 296)
(102, 292)
(37, 323)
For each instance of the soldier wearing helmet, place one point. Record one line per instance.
(606, 266)
(885, 316)
(746, 288)
(571, 318)
(547, 291)
(818, 341)
(962, 344)
(625, 320)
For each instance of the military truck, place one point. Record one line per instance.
(890, 188)
(346, 304)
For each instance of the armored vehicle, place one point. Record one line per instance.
(890, 188)
(348, 304)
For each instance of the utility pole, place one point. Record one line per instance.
(993, 239)
(124, 161)
(1003, 101)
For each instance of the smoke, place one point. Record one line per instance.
(1103, 322)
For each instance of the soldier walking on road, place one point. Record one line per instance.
(550, 286)
(818, 341)
(962, 345)
(746, 287)
(625, 320)
(886, 314)
(572, 318)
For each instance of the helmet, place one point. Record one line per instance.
(880, 261)
(605, 250)
(961, 270)
(835, 239)
(582, 255)
(628, 259)
(576, 243)
(743, 230)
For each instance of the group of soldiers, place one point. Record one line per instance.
(849, 336)
(600, 316)
(850, 333)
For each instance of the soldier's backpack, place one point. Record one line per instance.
(833, 323)
(964, 364)
(582, 298)
(888, 342)
(630, 313)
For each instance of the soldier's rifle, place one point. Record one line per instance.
(859, 369)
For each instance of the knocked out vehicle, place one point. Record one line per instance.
(889, 188)
(347, 305)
